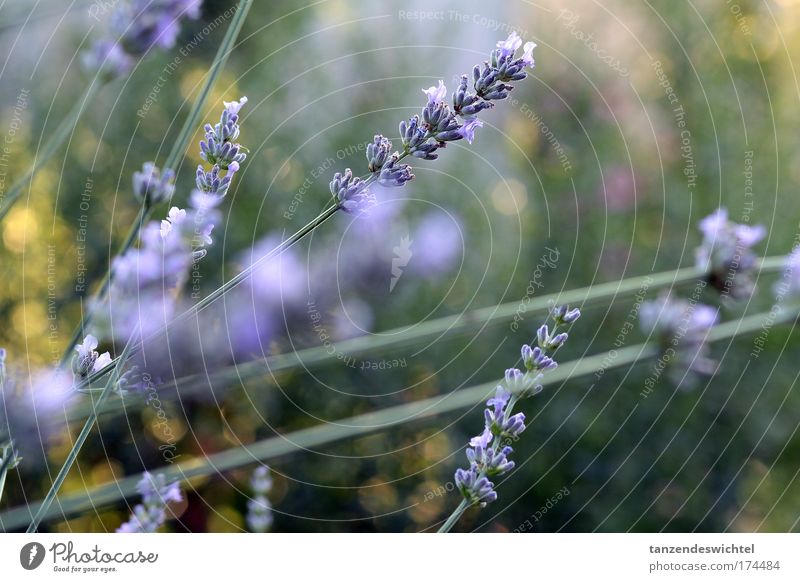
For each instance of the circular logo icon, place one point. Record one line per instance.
(31, 555)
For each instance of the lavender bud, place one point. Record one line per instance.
(151, 186)
(378, 152)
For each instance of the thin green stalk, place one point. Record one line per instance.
(55, 140)
(9, 461)
(178, 148)
(219, 61)
(454, 517)
(363, 424)
(218, 292)
(435, 328)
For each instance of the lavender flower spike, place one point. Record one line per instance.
(151, 186)
(151, 514)
(86, 360)
(488, 453)
(726, 255)
(259, 509)
(424, 134)
(681, 327)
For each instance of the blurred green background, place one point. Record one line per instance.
(586, 159)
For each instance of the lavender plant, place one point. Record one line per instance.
(726, 254)
(421, 138)
(423, 135)
(145, 280)
(680, 328)
(136, 27)
(259, 510)
(488, 453)
(151, 513)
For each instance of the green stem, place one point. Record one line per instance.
(218, 292)
(435, 328)
(219, 62)
(364, 424)
(178, 148)
(57, 138)
(454, 517)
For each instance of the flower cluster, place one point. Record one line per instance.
(151, 513)
(86, 360)
(726, 255)
(439, 123)
(488, 453)
(152, 186)
(681, 327)
(136, 26)
(259, 510)
(145, 279)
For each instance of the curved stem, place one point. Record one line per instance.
(365, 424)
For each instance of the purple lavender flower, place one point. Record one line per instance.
(136, 26)
(151, 514)
(87, 361)
(468, 129)
(488, 453)
(725, 254)
(422, 135)
(259, 509)
(145, 280)
(151, 186)
(681, 328)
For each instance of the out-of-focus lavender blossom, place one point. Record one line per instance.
(787, 288)
(488, 453)
(424, 134)
(726, 253)
(136, 26)
(680, 326)
(438, 242)
(151, 513)
(259, 509)
(273, 297)
(86, 360)
(146, 280)
(152, 186)
(32, 407)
